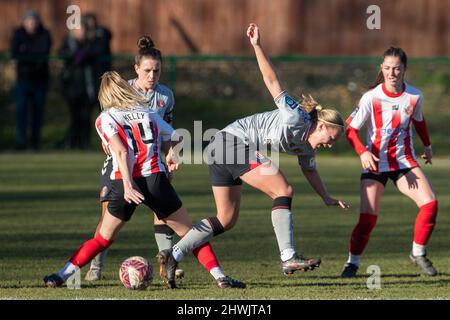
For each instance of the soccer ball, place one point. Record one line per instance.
(136, 273)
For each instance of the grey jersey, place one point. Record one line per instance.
(285, 130)
(160, 100)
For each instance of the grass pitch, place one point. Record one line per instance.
(49, 207)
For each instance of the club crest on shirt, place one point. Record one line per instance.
(160, 103)
(408, 110)
(259, 155)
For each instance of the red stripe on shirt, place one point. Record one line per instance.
(123, 138)
(378, 116)
(393, 140)
(142, 152)
(408, 141)
(98, 124)
(154, 165)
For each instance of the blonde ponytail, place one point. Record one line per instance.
(115, 92)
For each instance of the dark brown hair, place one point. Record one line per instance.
(147, 50)
(391, 52)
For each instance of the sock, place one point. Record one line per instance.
(361, 233)
(283, 226)
(163, 236)
(89, 250)
(200, 233)
(354, 259)
(217, 273)
(205, 255)
(418, 250)
(425, 222)
(99, 260)
(67, 271)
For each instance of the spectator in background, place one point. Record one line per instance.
(30, 47)
(87, 55)
(101, 36)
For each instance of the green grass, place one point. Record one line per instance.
(49, 208)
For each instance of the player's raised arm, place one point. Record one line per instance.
(265, 66)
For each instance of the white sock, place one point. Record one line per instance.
(286, 254)
(177, 253)
(418, 249)
(68, 270)
(217, 273)
(354, 259)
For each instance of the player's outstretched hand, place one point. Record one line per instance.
(335, 202)
(427, 155)
(253, 34)
(132, 195)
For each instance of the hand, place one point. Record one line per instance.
(253, 34)
(427, 155)
(334, 202)
(132, 195)
(368, 161)
(171, 162)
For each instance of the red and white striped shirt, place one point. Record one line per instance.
(142, 131)
(389, 131)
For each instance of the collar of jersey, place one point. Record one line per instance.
(390, 94)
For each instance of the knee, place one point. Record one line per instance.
(227, 222)
(285, 191)
(219, 226)
(367, 208)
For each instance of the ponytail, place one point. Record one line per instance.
(330, 117)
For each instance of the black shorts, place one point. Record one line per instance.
(159, 195)
(229, 158)
(105, 180)
(384, 176)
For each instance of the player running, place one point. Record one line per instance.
(159, 98)
(134, 135)
(391, 106)
(295, 128)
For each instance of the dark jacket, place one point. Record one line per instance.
(32, 54)
(78, 76)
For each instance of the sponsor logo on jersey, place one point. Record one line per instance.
(291, 102)
(395, 107)
(391, 132)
